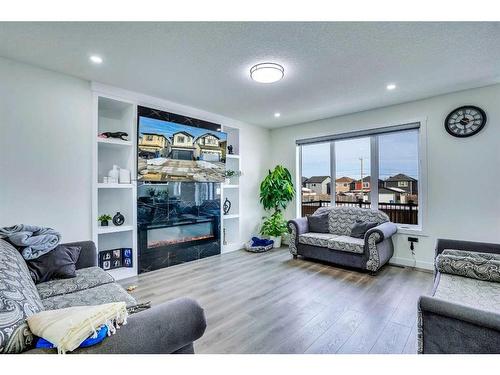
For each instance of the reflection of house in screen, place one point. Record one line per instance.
(154, 144)
(208, 147)
(181, 146)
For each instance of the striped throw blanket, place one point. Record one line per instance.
(68, 328)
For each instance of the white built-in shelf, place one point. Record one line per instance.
(122, 273)
(114, 229)
(232, 216)
(229, 186)
(232, 156)
(113, 142)
(114, 186)
(232, 246)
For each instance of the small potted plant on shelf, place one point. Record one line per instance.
(274, 226)
(104, 220)
(230, 173)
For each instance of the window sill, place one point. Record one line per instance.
(413, 230)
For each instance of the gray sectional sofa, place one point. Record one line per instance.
(171, 327)
(462, 315)
(369, 253)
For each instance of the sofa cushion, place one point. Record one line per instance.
(481, 266)
(347, 243)
(316, 239)
(85, 278)
(342, 218)
(98, 295)
(360, 228)
(479, 294)
(18, 299)
(318, 223)
(59, 263)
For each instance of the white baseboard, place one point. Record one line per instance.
(408, 262)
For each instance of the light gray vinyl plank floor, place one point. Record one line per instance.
(271, 303)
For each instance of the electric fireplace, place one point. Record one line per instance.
(177, 222)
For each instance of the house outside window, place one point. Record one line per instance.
(391, 157)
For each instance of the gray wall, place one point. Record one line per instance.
(45, 150)
(463, 177)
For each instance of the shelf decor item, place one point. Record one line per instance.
(118, 219)
(117, 135)
(276, 191)
(124, 176)
(230, 149)
(229, 173)
(226, 206)
(104, 219)
(114, 175)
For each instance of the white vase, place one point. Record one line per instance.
(277, 241)
(114, 174)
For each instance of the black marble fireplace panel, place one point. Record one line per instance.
(177, 222)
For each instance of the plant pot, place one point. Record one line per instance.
(104, 223)
(277, 241)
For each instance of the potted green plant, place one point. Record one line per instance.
(104, 219)
(274, 227)
(276, 191)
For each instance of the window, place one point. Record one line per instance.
(315, 164)
(389, 156)
(149, 138)
(181, 139)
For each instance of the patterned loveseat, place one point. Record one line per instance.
(337, 246)
(462, 314)
(170, 327)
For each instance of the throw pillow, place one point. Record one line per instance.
(360, 228)
(471, 264)
(59, 263)
(318, 223)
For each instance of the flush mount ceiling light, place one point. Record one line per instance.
(96, 59)
(390, 86)
(267, 72)
(277, 114)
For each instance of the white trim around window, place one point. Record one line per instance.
(420, 124)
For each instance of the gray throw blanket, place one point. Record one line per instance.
(33, 241)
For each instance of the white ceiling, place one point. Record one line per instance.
(330, 68)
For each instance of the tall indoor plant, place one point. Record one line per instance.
(276, 191)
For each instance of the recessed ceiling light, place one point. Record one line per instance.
(96, 59)
(390, 86)
(267, 72)
(277, 114)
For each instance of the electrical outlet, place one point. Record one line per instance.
(412, 240)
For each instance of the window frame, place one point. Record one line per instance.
(374, 169)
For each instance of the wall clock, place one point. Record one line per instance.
(465, 121)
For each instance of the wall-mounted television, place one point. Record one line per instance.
(170, 151)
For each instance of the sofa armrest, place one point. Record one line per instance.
(88, 254)
(482, 247)
(447, 327)
(385, 230)
(296, 227)
(301, 225)
(163, 329)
